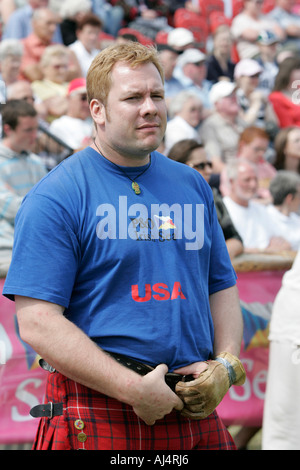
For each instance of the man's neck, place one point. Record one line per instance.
(241, 202)
(7, 143)
(120, 159)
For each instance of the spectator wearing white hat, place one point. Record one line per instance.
(220, 132)
(255, 108)
(191, 70)
(180, 39)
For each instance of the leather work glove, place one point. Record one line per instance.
(202, 395)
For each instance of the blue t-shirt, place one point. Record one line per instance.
(134, 272)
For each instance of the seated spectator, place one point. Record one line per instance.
(287, 20)
(22, 90)
(71, 12)
(219, 63)
(168, 57)
(75, 128)
(253, 146)
(110, 15)
(287, 149)
(7, 7)
(87, 45)
(191, 72)
(247, 25)
(49, 150)
(150, 17)
(185, 113)
(20, 168)
(44, 23)
(192, 153)
(255, 108)
(11, 51)
(285, 97)
(284, 212)
(267, 58)
(19, 24)
(251, 219)
(221, 131)
(52, 89)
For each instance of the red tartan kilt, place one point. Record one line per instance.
(108, 424)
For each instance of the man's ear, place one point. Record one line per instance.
(7, 130)
(289, 198)
(97, 110)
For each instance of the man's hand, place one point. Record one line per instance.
(203, 394)
(155, 398)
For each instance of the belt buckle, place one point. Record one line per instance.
(51, 409)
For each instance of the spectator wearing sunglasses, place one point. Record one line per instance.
(75, 127)
(192, 153)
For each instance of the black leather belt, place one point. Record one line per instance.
(171, 378)
(48, 410)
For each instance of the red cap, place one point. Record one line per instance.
(78, 85)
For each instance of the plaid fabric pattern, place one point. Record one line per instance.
(93, 421)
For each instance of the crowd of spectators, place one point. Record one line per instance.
(232, 81)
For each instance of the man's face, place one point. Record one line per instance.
(245, 186)
(45, 25)
(24, 136)
(192, 112)
(133, 122)
(196, 72)
(57, 69)
(255, 150)
(89, 36)
(228, 106)
(11, 66)
(79, 106)
(168, 60)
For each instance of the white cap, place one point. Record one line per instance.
(180, 37)
(191, 56)
(220, 90)
(247, 67)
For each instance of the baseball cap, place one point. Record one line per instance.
(247, 67)
(191, 56)
(166, 47)
(220, 90)
(78, 85)
(267, 38)
(180, 37)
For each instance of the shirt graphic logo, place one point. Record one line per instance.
(165, 221)
(157, 223)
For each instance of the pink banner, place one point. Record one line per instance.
(22, 381)
(243, 405)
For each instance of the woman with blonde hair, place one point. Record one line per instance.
(52, 88)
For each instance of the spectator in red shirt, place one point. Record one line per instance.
(285, 96)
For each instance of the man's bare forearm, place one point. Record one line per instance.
(228, 321)
(75, 355)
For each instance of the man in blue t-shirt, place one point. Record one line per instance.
(121, 278)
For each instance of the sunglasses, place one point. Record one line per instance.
(202, 165)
